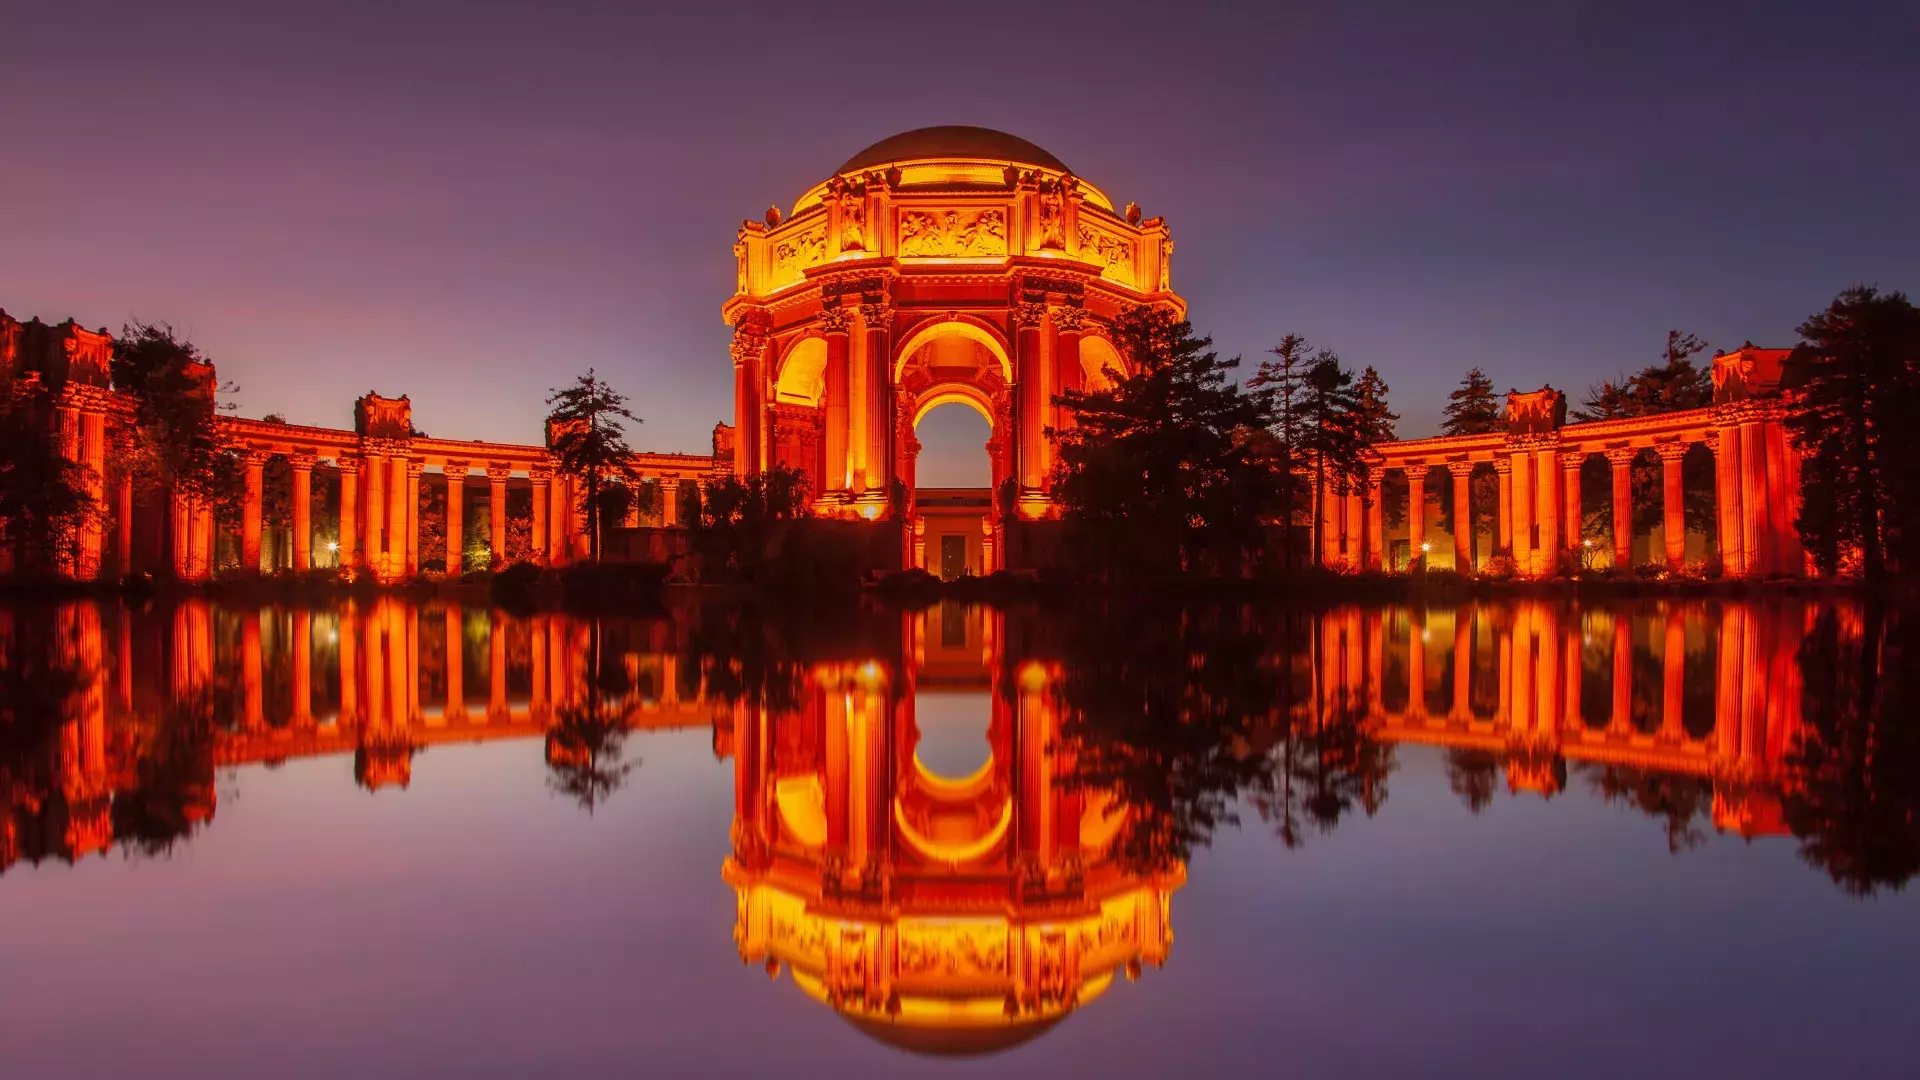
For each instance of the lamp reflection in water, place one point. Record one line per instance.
(942, 915)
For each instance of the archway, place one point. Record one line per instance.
(951, 463)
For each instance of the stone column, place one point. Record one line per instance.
(497, 668)
(376, 546)
(1462, 472)
(251, 674)
(302, 463)
(497, 474)
(1416, 512)
(123, 525)
(1376, 519)
(256, 463)
(1416, 662)
(1726, 477)
(835, 324)
(412, 545)
(1753, 498)
(1462, 664)
(541, 475)
(1795, 553)
(1783, 553)
(1027, 360)
(1521, 511)
(1672, 504)
(1070, 321)
(1350, 545)
(1620, 461)
(1573, 527)
(1503, 523)
(557, 489)
(349, 509)
(456, 475)
(1546, 510)
(669, 502)
(93, 454)
(877, 318)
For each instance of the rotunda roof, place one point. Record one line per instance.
(952, 142)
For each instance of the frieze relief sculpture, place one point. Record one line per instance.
(927, 233)
(799, 252)
(1099, 247)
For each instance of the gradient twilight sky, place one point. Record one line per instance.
(470, 203)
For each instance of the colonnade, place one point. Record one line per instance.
(1538, 461)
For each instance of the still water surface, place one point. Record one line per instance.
(1516, 839)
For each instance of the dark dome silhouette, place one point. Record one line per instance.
(952, 141)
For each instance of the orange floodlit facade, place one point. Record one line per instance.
(382, 462)
(942, 265)
(1538, 462)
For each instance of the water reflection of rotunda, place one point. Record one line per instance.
(941, 914)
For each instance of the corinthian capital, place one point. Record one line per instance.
(747, 343)
(836, 320)
(1029, 314)
(1069, 320)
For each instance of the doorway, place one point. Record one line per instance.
(953, 556)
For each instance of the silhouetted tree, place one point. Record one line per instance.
(1857, 373)
(1155, 477)
(739, 520)
(1674, 383)
(1283, 379)
(1334, 441)
(1473, 409)
(1474, 776)
(590, 441)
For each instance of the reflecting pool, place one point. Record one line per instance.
(1520, 838)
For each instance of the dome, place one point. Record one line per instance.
(953, 142)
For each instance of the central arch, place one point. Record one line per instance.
(964, 326)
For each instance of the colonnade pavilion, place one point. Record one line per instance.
(946, 265)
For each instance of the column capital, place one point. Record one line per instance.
(540, 473)
(1068, 320)
(1503, 465)
(255, 457)
(1622, 456)
(1029, 315)
(303, 460)
(1461, 468)
(499, 470)
(877, 315)
(835, 320)
(348, 464)
(1671, 451)
(1713, 442)
(414, 468)
(1415, 472)
(1375, 474)
(456, 470)
(1572, 460)
(747, 343)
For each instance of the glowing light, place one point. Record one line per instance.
(870, 511)
(333, 545)
(1586, 543)
(1425, 546)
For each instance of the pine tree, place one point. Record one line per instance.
(1473, 409)
(1674, 383)
(1857, 370)
(1282, 379)
(1334, 440)
(1155, 477)
(590, 441)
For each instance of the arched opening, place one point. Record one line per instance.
(802, 376)
(953, 484)
(1097, 358)
(953, 727)
(953, 438)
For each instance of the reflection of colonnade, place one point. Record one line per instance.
(1539, 685)
(197, 687)
(379, 468)
(942, 914)
(1537, 464)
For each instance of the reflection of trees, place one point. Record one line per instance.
(1473, 775)
(39, 692)
(172, 794)
(1679, 800)
(1179, 715)
(1852, 784)
(1161, 710)
(588, 738)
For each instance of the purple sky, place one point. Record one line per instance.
(470, 205)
